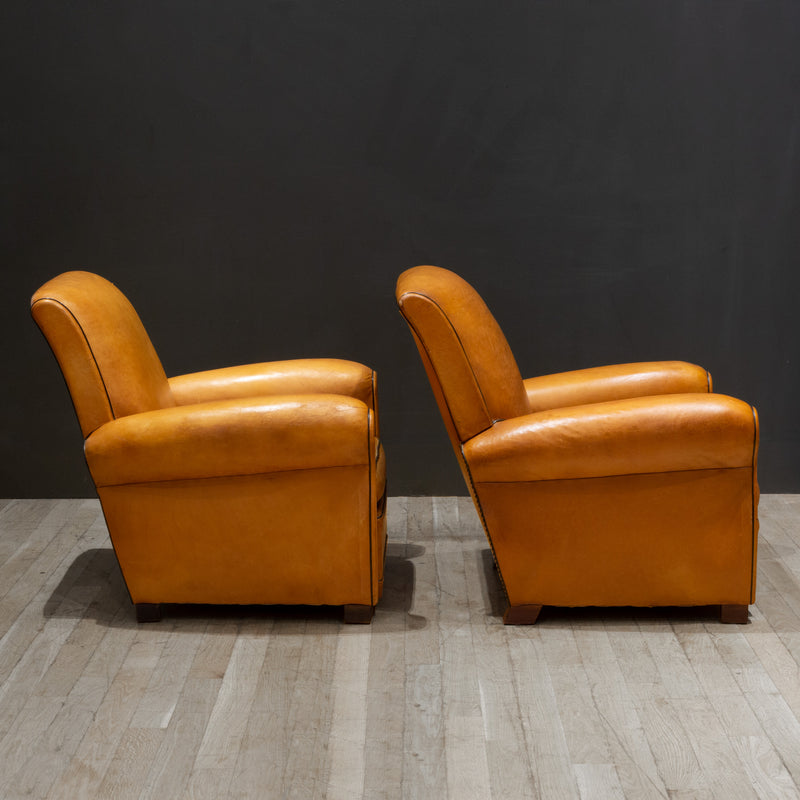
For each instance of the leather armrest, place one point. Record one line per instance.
(649, 434)
(617, 382)
(299, 376)
(232, 437)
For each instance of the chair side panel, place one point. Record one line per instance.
(299, 537)
(675, 538)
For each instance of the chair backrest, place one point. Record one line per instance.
(472, 370)
(105, 354)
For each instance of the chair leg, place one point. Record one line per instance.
(355, 614)
(148, 612)
(521, 615)
(736, 615)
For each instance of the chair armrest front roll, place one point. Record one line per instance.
(299, 376)
(232, 437)
(617, 382)
(649, 434)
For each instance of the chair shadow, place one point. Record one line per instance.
(494, 595)
(96, 573)
(399, 579)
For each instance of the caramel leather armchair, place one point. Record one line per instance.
(628, 485)
(259, 484)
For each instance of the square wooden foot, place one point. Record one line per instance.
(355, 614)
(148, 612)
(736, 615)
(521, 615)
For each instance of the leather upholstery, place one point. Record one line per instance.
(596, 384)
(258, 484)
(631, 484)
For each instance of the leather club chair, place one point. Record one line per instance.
(260, 484)
(628, 485)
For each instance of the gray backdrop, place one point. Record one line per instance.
(618, 179)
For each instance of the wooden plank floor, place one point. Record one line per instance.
(436, 699)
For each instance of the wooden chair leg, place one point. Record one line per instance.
(355, 614)
(736, 615)
(521, 615)
(148, 612)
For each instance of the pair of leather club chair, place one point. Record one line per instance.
(628, 485)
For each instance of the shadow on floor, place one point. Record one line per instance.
(93, 587)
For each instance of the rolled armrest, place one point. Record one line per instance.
(649, 434)
(231, 437)
(617, 382)
(299, 376)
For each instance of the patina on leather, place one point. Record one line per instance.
(630, 484)
(255, 484)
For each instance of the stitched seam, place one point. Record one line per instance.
(471, 486)
(753, 507)
(372, 508)
(461, 345)
(114, 548)
(485, 524)
(227, 475)
(619, 475)
(89, 346)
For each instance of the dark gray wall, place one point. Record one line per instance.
(619, 179)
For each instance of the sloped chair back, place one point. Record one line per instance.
(261, 483)
(105, 354)
(471, 368)
(618, 499)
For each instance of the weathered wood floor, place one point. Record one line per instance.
(436, 699)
